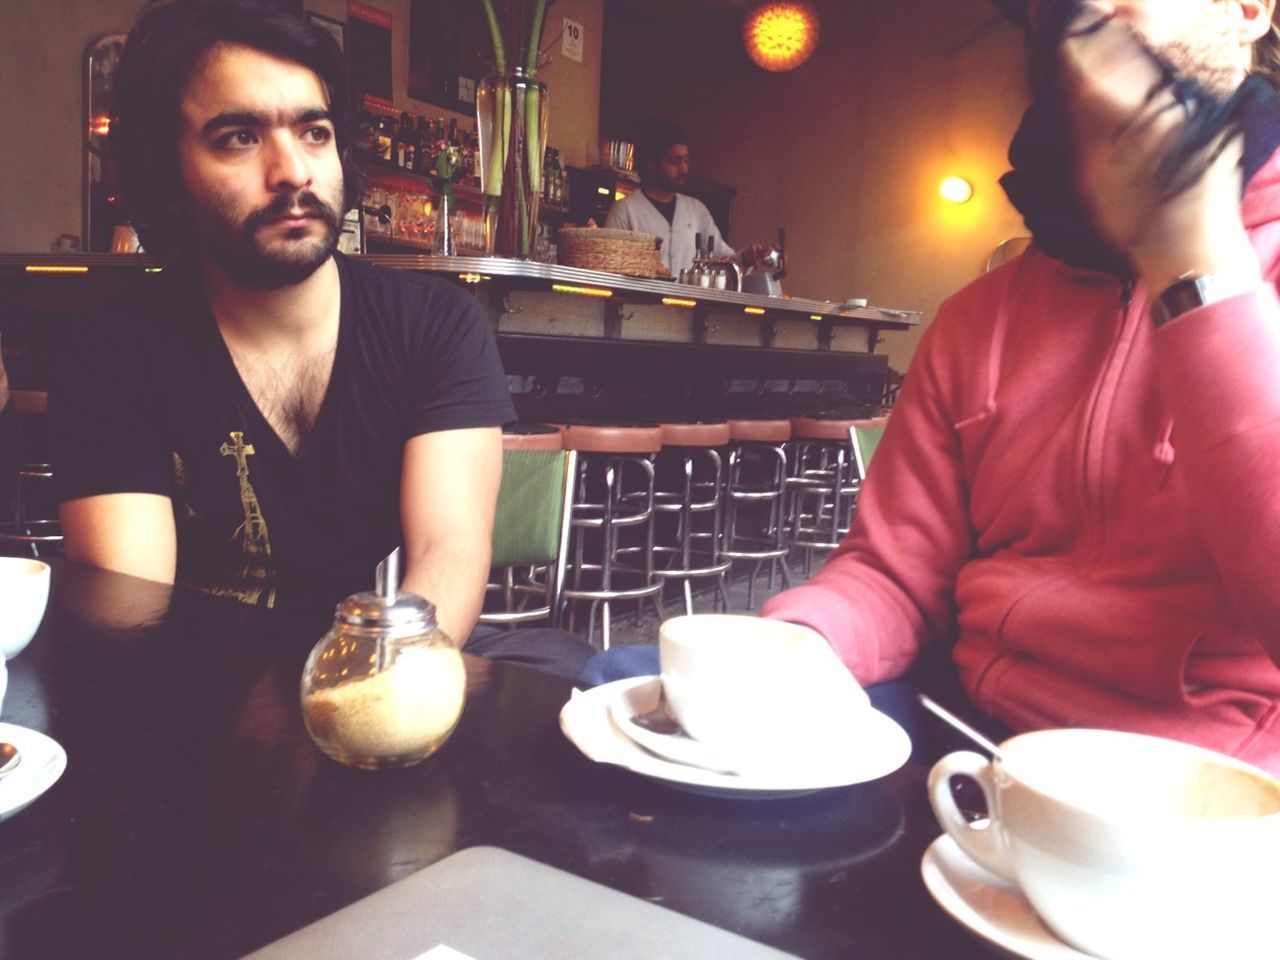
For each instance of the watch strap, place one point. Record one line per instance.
(1186, 294)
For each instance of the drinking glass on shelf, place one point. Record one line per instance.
(424, 218)
(376, 199)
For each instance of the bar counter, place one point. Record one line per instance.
(573, 341)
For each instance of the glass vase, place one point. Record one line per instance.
(511, 112)
(445, 242)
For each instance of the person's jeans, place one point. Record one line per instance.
(543, 648)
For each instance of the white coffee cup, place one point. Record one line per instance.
(743, 683)
(24, 592)
(1127, 846)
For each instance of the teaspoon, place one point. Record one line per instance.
(10, 757)
(660, 719)
(943, 713)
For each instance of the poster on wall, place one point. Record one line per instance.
(449, 52)
(369, 46)
(334, 28)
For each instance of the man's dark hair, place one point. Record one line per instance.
(1266, 56)
(655, 140)
(169, 41)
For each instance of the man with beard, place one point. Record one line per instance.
(659, 208)
(267, 419)
(1077, 500)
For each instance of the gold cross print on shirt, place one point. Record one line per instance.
(256, 542)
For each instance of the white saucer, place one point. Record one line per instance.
(874, 749)
(988, 906)
(676, 747)
(43, 761)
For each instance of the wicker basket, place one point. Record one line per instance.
(611, 251)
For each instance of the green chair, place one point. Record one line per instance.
(864, 437)
(531, 536)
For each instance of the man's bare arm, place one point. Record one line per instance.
(448, 492)
(129, 533)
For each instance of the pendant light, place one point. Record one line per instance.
(781, 34)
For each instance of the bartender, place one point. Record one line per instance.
(660, 209)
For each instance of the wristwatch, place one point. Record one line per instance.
(1185, 294)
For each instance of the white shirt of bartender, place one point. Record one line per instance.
(637, 212)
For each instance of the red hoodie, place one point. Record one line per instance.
(1088, 506)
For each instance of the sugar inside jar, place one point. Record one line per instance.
(385, 686)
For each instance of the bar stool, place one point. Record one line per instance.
(41, 534)
(32, 536)
(613, 495)
(756, 478)
(685, 445)
(821, 485)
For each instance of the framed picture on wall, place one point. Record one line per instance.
(335, 28)
(450, 50)
(369, 50)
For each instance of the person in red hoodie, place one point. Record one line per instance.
(1077, 500)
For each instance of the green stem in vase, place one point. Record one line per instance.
(500, 125)
(495, 31)
(533, 132)
(507, 108)
(535, 38)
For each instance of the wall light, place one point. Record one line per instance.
(956, 189)
(780, 35)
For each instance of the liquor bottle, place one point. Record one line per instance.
(453, 133)
(469, 156)
(386, 131)
(438, 141)
(546, 175)
(366, 138)
(422, 148)
(403, 148)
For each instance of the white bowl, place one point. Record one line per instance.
(24, 592)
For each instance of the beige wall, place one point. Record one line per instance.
(847, 151)
(42, 43)
(907, 108)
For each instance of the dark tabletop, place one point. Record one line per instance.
(196, 818)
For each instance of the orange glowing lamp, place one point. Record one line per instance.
(956, 190)
(780, 35)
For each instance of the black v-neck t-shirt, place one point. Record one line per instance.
(147, 399)
(667, 209)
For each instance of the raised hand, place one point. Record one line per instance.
(1125, 116)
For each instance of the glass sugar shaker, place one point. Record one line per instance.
(385, 686)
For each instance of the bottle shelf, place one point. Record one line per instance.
(470, 195)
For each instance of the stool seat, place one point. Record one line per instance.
(695, 434)
(760, 431)
(835, 429)
(602, 438)
(531, 436)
